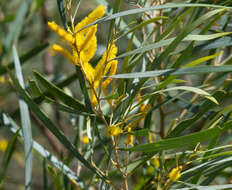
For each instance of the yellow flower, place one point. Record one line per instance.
(2, 79)
(85, 140)
(113, 130)
(156, 162)
(3, 144)
(174, 175)
(129, 138)
(84, 45)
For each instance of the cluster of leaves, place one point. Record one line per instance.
(157, 126)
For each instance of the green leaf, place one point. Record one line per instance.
(61, 7)
(182, 71)
(178, 142)
(191, 89)
(218, 43)
(26, 123)
(203, 59)
(141, 132)
(204, 187)
(34, 89)
(65, 108)
(60, 94)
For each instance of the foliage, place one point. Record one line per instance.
(150, 110)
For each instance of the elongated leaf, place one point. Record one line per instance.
(201, 187)
(203, 59)
(178, 142)
(141, 132)
(60, 94)
(191, 89)
(26, 124)
(195, 37)
(65, 108)
(182, 71)
(50, 125)
(61, 7)
(218, 43)
(35, 89)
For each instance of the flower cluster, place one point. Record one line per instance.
(83, 42)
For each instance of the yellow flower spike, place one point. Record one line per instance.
(129, 138)
(174, 175)
(87, 41)
(93, 16)
(85, 140)
(113, 70)
(103, 67)
(64, 52)
(150, 137)
(89, 52)
(3, 145)
(88, 71)
(61, 32)
(113, 130)
(109, 54)
(155, 161)
(93, 98)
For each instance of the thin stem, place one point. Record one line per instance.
(118, 165)
(162, 118)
